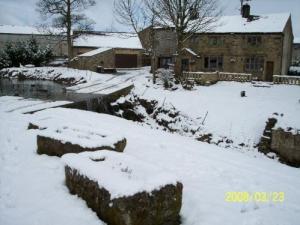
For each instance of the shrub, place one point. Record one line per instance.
(25, 52)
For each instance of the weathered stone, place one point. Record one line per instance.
(53, 147)
(160, 207)
(131, 115)
(32, 126)
(264, 145)
(287, 146)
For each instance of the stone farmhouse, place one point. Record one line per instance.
(98, 50)
(259, 45)
(13, 34)
(296, 52)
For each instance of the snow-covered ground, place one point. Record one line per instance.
(32, 189)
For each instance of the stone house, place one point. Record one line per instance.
(13, 34)
(296, 52)
(94, 50)
(260, 45)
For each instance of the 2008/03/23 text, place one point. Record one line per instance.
(244, 196)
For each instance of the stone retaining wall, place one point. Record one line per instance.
(160, 207)
(287, 145)
(53, 147)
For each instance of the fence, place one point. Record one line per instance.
(211, 77)
(283, 79)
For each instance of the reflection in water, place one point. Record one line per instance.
(41, 89)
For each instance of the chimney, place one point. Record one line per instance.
(246, 11)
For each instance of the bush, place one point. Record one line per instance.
(25, 52)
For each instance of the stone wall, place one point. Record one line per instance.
(284, 143)
(296, 53)
(287, 47)
(81, 50)
(59, 46)
(233, 47)
(287, 145)
(160, 207)
(105, 59)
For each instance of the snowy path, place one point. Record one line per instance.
(32, 189)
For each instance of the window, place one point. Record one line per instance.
(254, 40)
(254, 63)
(213, 62)
(215, 41)
(194, 39)
(164, 62)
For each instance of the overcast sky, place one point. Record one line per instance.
(22, 12)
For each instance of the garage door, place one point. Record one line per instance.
(126, 61)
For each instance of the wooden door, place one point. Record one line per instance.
(269, 71)
(126, 61)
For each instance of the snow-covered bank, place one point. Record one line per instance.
(33, 192)
(241, 120)
(59, 74)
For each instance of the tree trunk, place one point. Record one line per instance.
(178, 57)
(69, 31)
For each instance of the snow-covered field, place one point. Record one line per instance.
(32, 189)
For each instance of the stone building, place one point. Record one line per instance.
(296, 52)
(13, 34)
(260, 45)
(94, 50)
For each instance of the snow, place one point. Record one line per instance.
(121, 174)
(267, 23)
(94, 52)
(241, 120)
(55, 73)
(10, 104)
(295, 69)
(190, 51)
(109, 40)
(81, 136)
(289, 123)
(33, 190)
(15, 29)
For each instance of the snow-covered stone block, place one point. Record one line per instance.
(57, 142)
(123, 190)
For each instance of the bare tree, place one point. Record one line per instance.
(186, 17)
(138, 14)
(67, 15)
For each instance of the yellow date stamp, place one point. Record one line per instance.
(264, 197)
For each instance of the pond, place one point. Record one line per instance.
(40, 89)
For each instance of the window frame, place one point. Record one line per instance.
(254, 40)
(217, 61)
(254, 63)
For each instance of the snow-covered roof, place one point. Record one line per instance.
(109, 40)
(16, 29)
(269, 23)
(190, 51)
(94, 52)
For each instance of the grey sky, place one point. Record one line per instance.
(22, 12)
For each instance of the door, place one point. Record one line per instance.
(269, 71)
(126, 60)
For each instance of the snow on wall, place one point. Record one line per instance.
(15, 29)
(120, 174)
(109, 40)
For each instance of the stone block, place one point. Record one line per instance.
(122, 190)
(66, 140)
